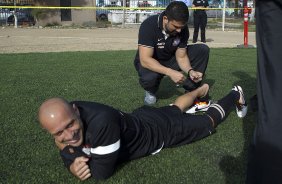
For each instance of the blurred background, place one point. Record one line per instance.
(95, 13)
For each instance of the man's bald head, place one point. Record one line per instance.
(52, 109)
(62, 120)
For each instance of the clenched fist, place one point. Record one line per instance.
(80, 168)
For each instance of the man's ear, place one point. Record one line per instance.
(165, 19)
(76, 110)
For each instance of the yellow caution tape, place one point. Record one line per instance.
(108, 8)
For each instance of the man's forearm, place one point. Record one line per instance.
(69, 154)
(155, 66)
(184, 64)
(183, 60)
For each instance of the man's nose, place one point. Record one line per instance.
(68, 135)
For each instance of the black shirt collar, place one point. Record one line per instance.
(160, 20)
(160, 25)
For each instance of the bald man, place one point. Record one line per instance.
(94, 138)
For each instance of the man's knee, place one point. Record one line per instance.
(199, 56)
(204, 49)
(198, 50)
(150, 80)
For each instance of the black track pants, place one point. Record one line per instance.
(198, 55)
(265, 155)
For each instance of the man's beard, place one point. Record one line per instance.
(171, 33)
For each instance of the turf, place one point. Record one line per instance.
(28, 154)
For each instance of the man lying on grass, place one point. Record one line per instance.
(94, 138)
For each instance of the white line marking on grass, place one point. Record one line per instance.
(43, 37)
(54, 37)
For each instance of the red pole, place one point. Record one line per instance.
(246, 17)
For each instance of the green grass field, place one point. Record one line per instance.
(28, 154)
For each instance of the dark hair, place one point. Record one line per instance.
(178, 11)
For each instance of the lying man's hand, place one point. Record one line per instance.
(80, 168)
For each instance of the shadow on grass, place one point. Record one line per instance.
(168, 88)
(210, 82)
(235, 167)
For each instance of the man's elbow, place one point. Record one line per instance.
(144, 64)
(102, 175)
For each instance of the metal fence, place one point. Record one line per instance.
(24, 16)
(134, 11)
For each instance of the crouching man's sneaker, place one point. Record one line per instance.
(241, 107)
(199, 107)
(150, 98)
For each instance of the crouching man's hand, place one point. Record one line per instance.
(80, 168)
(195, 76)
(176, 76)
